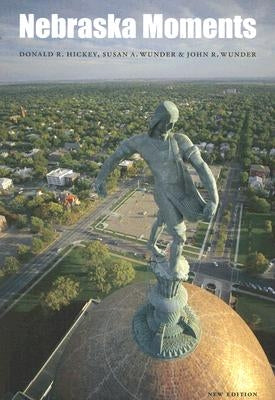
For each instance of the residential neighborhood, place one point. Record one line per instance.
(56, 137)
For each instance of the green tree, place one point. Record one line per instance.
(37, 245)
(121, 273)
(259, 204)
(18, 204)
(99, 276)
(112, 180)
(244, 178)
(97, 255)
(62, 292)
(51, 211)
(23, 252)
(47, 235)
(37, 225)
(22, 221)
(256, 263)
(11, 265)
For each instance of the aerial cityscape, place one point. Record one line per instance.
(63, 248)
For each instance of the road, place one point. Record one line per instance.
(16, 284)
(230, 195)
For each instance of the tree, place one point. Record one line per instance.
(121, 273)
(18, 204)
(112, 275)
(11, 265)
(47, 235)
(23, 252)
(22, 221)
(97, 255)
(37, 225)
(244, 178)
(112, 180)
(98, 276)
(268, 226)
(62, 292)
(256, 263)
(258, 204)
(52, 211)
(37, 245)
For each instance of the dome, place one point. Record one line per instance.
(103, 362)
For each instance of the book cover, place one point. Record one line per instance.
(77, 80)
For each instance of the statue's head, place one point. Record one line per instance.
(163, 119)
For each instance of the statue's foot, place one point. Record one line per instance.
(180, 270)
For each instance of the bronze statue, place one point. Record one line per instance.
(177, 198)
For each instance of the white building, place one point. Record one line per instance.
(126, 164)
(57, 177)
(24, 173)
(256, 182)
(5, 183)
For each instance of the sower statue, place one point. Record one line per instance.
(175, 193)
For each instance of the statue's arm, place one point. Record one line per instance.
(192, 154)
(125, 150)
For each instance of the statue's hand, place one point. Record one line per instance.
(100, 188)
(209, 210)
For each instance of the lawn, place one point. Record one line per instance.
(259, 315)
(254, 237)
(72, 265)
(200, 233)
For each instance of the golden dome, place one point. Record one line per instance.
(103, 362)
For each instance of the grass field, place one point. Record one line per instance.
(254, 237)
(200, 233)
(259, 315)
(256, 312)
(72, 265)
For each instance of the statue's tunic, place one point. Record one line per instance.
(173, 183)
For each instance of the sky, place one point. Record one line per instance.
(14, 68)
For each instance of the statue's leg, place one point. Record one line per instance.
(177, 229)
(178, 232)
(156, 231)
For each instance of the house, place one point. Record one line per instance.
(24, 172)
(230, 91)
(209, 147)
(124, 166)
(224, 147)
(3, 223)
(72, 146)
(56, 155)
(136, 157)
(201, 145)
(5, 183)
(259, 170)
(31, 153)
(61, 177)
(230, 134)
(256, 182)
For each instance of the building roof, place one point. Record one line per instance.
(59, 172)
(259, 168)
(126, 163)
(103, 361)
(5, 180)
